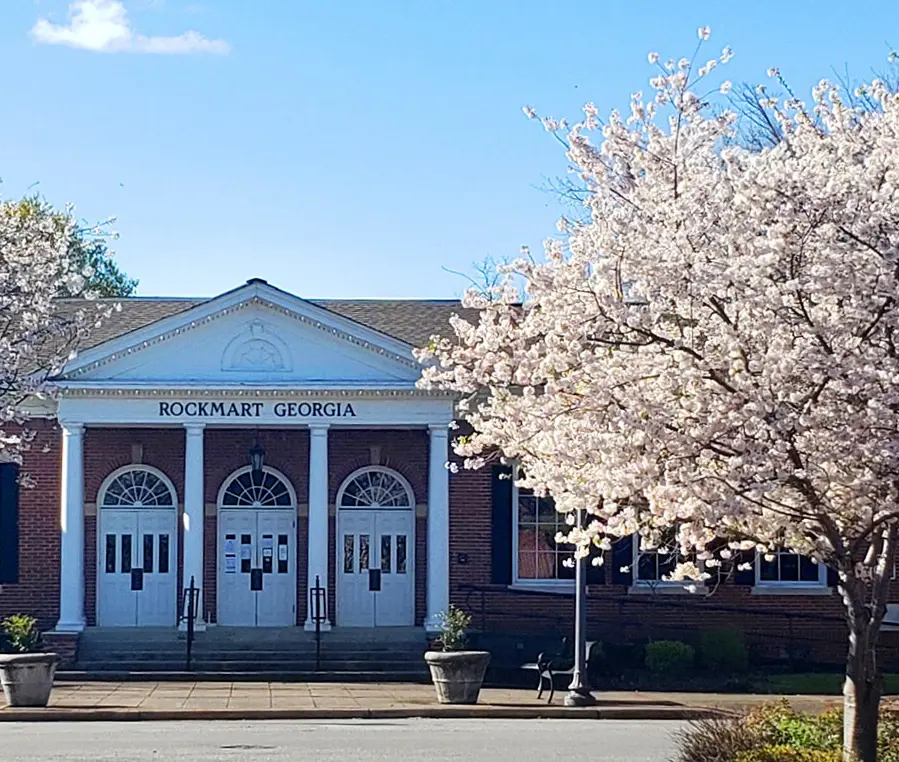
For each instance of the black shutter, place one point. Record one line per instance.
(596, 575)
(9, 523)
(745, 577)
(501, 534)
(623, 557)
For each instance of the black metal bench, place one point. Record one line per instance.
(549, 665)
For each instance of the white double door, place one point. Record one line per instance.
(375, 568)
(138, 568)
(257, 568)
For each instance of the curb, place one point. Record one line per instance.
(398, 713)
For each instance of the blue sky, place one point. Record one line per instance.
(355, 148)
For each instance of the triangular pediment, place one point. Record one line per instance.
(254, 335)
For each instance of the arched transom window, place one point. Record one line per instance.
(375, 487)
(253, 489)
(137, 487)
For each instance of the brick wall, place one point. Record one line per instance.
(37, 592)
(613, 607)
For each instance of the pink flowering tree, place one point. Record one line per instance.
(37, 334)
(715, 350)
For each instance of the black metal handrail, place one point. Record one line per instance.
(191, 599)
(319, 605)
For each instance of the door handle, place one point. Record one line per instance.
(374, 580)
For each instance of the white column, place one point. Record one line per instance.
(317, 551)
(194, 514)
(438, 527)
(71, 521)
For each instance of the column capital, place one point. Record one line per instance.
(319, 429)
(194, 428)
(72, 427)
(439, 429)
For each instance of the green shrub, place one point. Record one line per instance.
(723, 651)
(789, 754)
(777, 733)
(21, 633)
(669, 657)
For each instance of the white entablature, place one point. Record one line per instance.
(255, 335)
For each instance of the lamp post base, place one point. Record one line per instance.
(579, 697)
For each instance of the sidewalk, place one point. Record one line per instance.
(242, 700)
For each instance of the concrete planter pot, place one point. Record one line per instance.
(27, 678)
(457, 675)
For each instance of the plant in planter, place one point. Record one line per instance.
(27, 673)
(457, 673)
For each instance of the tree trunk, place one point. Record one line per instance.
(861, 705)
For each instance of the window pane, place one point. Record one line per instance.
(385, 553)
(527, 509)
(808, 570)
(110, 553)
(667, 562)
(546, 566)
(282, 554)
(246, 553)
(789, 567)
(126, 554)
(563, 570)
(363, 552)
(546, 511)
(401, 554)
(163, 554)
(647, 568)
(768, 569)
(349, 553)
(148, 554)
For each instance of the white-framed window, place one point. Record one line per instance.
(651, 567)
(786, 569)
(536, 558)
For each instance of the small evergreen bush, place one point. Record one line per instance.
(723, 651)
(669, 657)
(21, 633)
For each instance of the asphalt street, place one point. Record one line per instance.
(406, 740)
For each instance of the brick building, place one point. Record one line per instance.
(257, 443)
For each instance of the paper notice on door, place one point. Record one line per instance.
(282, 552)
(230, 546)
(245, 551)
(267, 552)
(230, 565)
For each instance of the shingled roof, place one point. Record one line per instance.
(413, 321)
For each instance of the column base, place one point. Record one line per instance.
(309, 626)
(199, 626)
(68, 628)
(433, 624)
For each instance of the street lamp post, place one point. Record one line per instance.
(579, 690)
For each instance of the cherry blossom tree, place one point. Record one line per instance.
(37, 333)
(714, 351)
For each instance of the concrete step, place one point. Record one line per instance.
(243, 665)
(178, 674)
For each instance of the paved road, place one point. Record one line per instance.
(401, 740)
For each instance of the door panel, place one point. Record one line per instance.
(236, 604)
(157, 602)
(355, 604)
(382, 540)
(395, 604)
(116, 601)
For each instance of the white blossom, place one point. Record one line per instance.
(704, 32)
(715, 348)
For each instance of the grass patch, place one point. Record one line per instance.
(814, 683)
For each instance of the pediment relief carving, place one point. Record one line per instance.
(257, 349)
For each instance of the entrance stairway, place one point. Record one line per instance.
(231, 653)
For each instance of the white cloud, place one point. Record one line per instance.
(103, 26)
